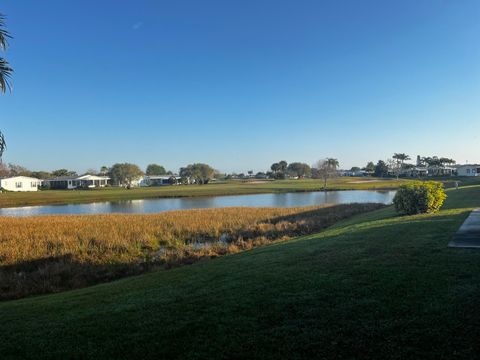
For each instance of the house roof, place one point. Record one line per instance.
(161, 177)
(83, 177)
(62, 178)
(468, 165)
(92, 177)
(441, 167)
(20, 177)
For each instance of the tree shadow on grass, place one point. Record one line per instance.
(58, 273)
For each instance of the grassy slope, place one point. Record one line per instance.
(376, 286)
(229, 188)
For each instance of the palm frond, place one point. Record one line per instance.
(4, 34)
(5, 75)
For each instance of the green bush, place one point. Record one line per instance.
(420, 197)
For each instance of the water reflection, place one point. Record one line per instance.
(159, 205)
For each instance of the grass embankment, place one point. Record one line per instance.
(52, 253)
(12, 199)
(375, 286)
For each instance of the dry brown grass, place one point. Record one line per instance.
(54, 253)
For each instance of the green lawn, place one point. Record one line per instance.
(229, 188)
(375, 286)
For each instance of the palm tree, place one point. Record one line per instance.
(5, 69)
(5, 73)
(333, 163)
(282, 166)
(327, 168)
(401, 158)
(275, 167)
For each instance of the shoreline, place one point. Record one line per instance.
(146, 196)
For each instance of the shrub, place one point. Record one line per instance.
(420, 197)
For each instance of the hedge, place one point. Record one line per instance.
(419, 197)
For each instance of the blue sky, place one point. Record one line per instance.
(240, 84)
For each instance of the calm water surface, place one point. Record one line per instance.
(149, 206)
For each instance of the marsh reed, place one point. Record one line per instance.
(47, 254)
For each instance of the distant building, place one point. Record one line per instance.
(77, 182)
(417, 171)
(20, 183)
(353, 173)
(441, 170)
(468, 170)
(160, 180)
(434, 170)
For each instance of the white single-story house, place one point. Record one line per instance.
(439, 170)
(468, 170)
(159, 180)
(417, 171)
(20, 183)
(74, 182)
(352, 173)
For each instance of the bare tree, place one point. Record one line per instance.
(394, 166)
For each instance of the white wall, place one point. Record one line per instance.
(464, 171)
(20, 183)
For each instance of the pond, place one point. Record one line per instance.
(149, 206)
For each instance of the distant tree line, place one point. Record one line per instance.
(121, 174)
(398, 163)
(125, 174)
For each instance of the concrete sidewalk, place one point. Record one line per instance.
(468, 236)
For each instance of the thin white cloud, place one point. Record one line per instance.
(137, 25)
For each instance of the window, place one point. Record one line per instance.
(33, 184)
(18, 184)
(468, 171)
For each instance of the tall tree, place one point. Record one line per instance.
(63, 172)
(325, 169)
(333, 163)
(5, 74)
(5, 69)
(381, 169)
(155, 169)
(125, 174)
(41, 174)
(282, 166)
(201, 173)
(104, 170)
(91, 171)
(400, 158)
(370, 167)
(446, 161)
(275, 167)
(18, 170)
(299, 169)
